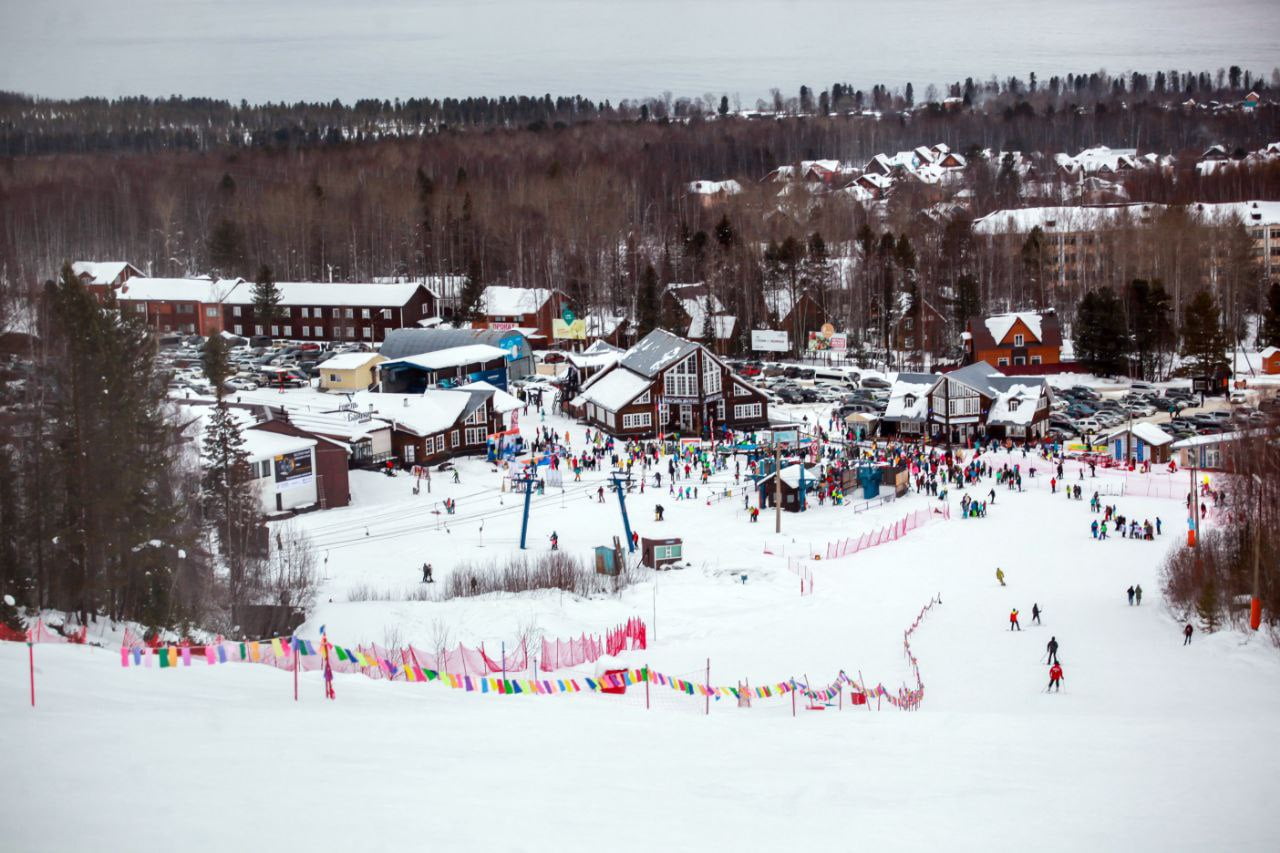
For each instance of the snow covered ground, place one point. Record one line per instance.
(1152, 745)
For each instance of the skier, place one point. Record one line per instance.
(1053, 650)
(1013, 620)
(426, 573)
(1055, 678)
(456, 479)
(600, 495)
(1131, 595)
(1000, 576)
(657, 512)
(1094, 527)
(1186, 633)
(1035, 613)
(1137, 594)
(555, 541)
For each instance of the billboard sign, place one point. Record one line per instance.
(827, 339)
(294, 469)
(767, 340)
(789, 437)
(573, 330)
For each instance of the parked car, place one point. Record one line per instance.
(875, 382)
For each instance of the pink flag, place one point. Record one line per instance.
(124, 656)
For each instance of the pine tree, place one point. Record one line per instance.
(1150, 323)
(1208, 605)
(472, 293)
(1101, 341)
(647, 304)
(724, 106)
(266, 299)
(226, 247)
(230, 506)
(1269, 328)
(965, 304)
(1203, 340)
(216, 363)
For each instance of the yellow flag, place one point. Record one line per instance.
(277, 648)
(408, 673)
(255, 652)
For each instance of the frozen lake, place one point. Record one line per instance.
(319, 49)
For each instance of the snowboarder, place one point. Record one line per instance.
(1130, 595)
(1013, 620)
(1053, 650)
(1000, 576)
(456, 478)
(555, 541)
(1186, 633)
(1137, 594)
(1035, 613)
(426, 573)
(1055, 678)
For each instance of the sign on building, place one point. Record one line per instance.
(294, 469)
(827, 339)
(767, 340)
(574, 330)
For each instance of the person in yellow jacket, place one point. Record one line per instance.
(1000, 576)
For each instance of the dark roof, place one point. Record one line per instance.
(989, 381)
(406, 342)
(657, 350)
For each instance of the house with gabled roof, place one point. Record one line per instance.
(668, 384)
(971, 402)
(529, 309)
(692, 308)
(102, 276)
(1015, 339)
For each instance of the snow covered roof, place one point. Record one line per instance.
(730, 187)
(324, 293)
(1148, 432)
(420, 414)
(1251, 213)
(502, 301)
(1015, 406)
(453, 357)
(722, 326)
(909, 397)
(350, 360)
(1000, 324)
(1198, 440)
(791, 475)
(603, 325)
(614, 389)
(403, 342)
(139, 289)
(103, 272)
(655, 351)
(1100, 158)
(594, 360)
(338, 424)
(1063, 218)
(502, 401)
(262, 444)
(1269, 351)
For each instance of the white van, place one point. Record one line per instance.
(834, 376)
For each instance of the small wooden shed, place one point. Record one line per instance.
(659, 552)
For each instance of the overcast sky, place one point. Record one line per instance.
(321, 49)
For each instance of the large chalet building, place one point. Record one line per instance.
(1021, 339)
(971, 402)
(666, 384)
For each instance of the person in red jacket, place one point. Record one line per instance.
(1013, 620)
(1055, 678)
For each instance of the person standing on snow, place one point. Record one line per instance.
(1013, 620)
(1055, 678)
(1130, 595)
(1094, 527)
(1053, 650)
(1186, 633)
(555, 541)
(1000, 576)
(1035, 613)
(1137, 594)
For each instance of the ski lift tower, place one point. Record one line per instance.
(620, 479)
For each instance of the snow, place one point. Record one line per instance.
(722, 326)
(261, 444)
(339, 424)
(452, 357)
(615, 389)
(1062, 219)
(501, 301)
(204, 290)
(898, 408)
(330, 294)
(729, 187)
(350, 360)
(501, 401)
(102, 272)
(421, 414)
(1147, 432)
(1027, 397)
(1000, 324)
(1152, 745)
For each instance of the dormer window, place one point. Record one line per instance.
(909, 400)
(1018, 340)
(1013, 405)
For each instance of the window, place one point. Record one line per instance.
(348, 313)
(239, 329)
(317, 331)
(643, 398)
(710, 375)
(1019, 359)
(476, 417)
(336, 313)
(306, 331)
(366, 332)
(906, 323)
(351, 332)
(1035, 359)
(664, 413)
(275, 330)
(186, 308)
(210, 311)
(611, 419)
(333, 377)
(720, 410)
(908, 400)
(740, 390)
(453, 438)
(264, 468)
(140, 307)
(410, 452)
(424, 310)
(286, 311)
(1013, 404)
(746, 411)
(1018, 341)
(235, 311)
(257, 330)
(1002, 362)
(364, 313)
(306, 312)
(637, 421)
(475, 435)
(682, 380)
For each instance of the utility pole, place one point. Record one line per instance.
(946, 395)
(777, 487)
(616, 477)
(1255, 606)
(527, 480)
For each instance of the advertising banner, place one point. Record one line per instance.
(767, 340)
(294, 470)
(574, 331)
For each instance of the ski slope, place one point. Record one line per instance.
(1152, 745)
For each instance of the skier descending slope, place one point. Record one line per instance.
(1055, 678)
(1053, 650)
(1013, 620)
